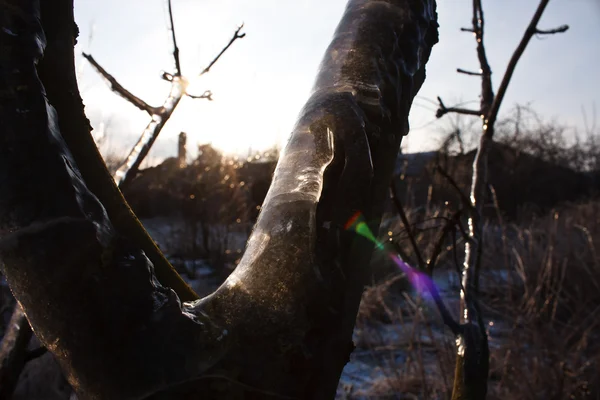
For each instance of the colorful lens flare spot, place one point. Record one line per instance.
(419, 280)
(357, 224)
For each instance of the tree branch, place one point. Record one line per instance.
(487, 92)
(560, 29)
(235, 37)
(206, 95)
(175, 48)
(118, 88)
(464, 71)
(443, 110)
(407, 226)
(447, 318)
(529, 32)
(128, 171)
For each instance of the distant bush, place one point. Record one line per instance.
(534, 165)
(216, 197)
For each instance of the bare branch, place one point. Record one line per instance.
(467, 30)
(447, 318)
(175, 48)
(13, 351)
(466, 202)
(407, 226)
(443, 110)
(464, 71)
(206, 95)
(450, 225)
(236, 36)
(487, 92)
(510, 69)
(560, 29)
(119, 89)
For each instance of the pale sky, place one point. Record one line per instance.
(263, 80)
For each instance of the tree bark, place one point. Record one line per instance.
(57, 72)
(281, 325)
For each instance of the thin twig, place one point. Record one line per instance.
(443, 110)
(175, 48)
(236, 36)
(407, 226)
(466, 202)
(119, 89)
(560, 29)
(206, 95)
(450, 225)
(464, 71)
(431, 287)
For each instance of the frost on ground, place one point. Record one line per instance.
(541, 303)
(409, 354)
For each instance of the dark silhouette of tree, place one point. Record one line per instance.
(98, 292)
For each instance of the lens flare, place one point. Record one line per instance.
(358, 224)
(419, 280)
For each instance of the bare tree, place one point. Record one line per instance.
(159, 115)
(83, 268)
(472, 346)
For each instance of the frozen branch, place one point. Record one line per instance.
(235, 37)
(128, 171)
(206, 95)
(175, 48)
(119, 89)
(487, 92)
(407, 227)
(472, 363)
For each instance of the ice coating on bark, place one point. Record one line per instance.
(90, 295)
(359, 83)
(286, 314)
(144, 143)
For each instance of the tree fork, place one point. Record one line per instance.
(281, 325)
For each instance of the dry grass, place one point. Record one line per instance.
(541, 295)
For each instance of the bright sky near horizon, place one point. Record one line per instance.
(263, 80)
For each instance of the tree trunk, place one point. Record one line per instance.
(282, 323)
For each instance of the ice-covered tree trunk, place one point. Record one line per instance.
(282, 323)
